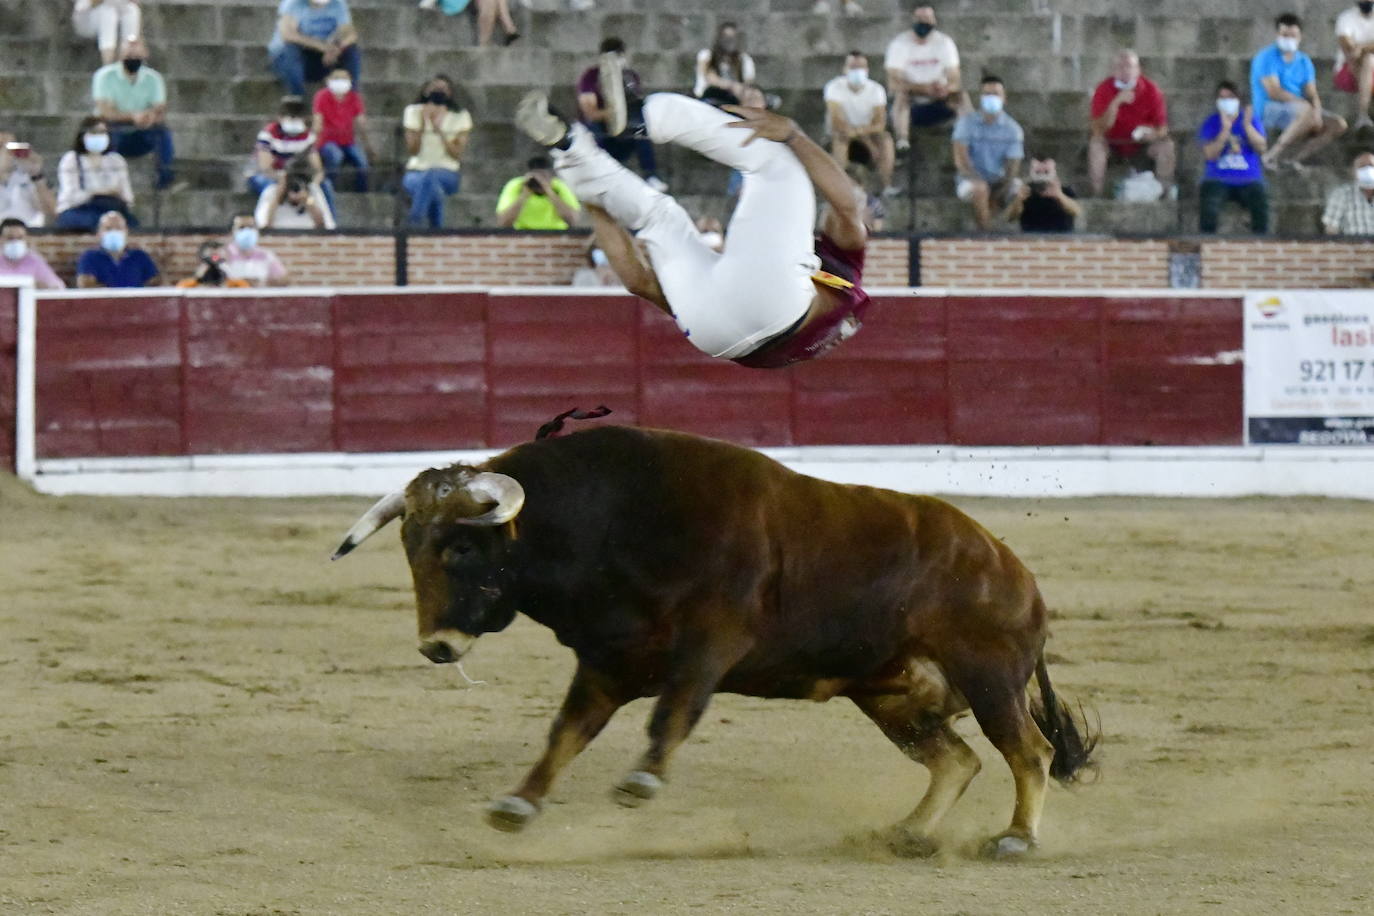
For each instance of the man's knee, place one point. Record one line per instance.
(1333, 124)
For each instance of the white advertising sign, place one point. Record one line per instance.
(1309, 367)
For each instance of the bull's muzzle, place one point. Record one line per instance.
(445, 646)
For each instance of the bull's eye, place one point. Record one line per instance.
(455, 553)
(443, 490)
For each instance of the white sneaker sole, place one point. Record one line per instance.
(611, 72)
(535, 120)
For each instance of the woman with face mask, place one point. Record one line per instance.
(92, 180)
(1232, 143)
(723, 70)
(436, 134)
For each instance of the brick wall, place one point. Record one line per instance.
(1287, 265)
(496, 260)
(1037, 263)
(886, 262)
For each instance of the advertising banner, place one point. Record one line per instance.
(1309, 368)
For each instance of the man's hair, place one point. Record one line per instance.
(989, 78)
(1283, 19)
(855, 52)
(12, 221)
(611, 45)
(1227, 84)
(539, 162)
(291, 106)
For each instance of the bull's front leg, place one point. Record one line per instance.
(697, 672)
(589, 705)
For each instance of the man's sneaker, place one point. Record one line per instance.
(535, 120)
(658, 184)
(1363, 122)
(903, 144)
(610, 67)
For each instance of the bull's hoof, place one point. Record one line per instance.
(908, 845)
(636, 788)
(511, 813)
(1008, 847)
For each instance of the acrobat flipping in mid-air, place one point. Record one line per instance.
(778, 293)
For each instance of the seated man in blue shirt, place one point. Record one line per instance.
(988, 149)
(312, 38)
(114, 264)
(1232, 143)
(1283, 85)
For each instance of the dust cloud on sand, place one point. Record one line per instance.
(203, 715)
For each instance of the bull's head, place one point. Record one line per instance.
(454, 531)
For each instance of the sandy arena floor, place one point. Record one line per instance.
(202, 715)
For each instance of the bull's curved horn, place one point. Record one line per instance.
(507, 493)
(393, 505)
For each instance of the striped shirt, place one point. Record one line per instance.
(283, 146)
(1349, 211)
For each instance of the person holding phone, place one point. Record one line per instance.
(25, 194)
(537, 199)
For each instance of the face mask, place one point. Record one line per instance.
(340, 87)
(728, 45)
(1229, 107)
(246, 238)
(1366, 8)
(992, 104)
(1124, 86)
(112, 240)
(856, 77)
(712, 239)
(292, 126)
(599, 257)
(1364, 176)
(437, 97)
(923, 29)
(15, 249)
(133, 64)
(96, 143)
(1287, 45)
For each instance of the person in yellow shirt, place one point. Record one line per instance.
(537, 199)
(436, 134)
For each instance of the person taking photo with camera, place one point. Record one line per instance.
(1043, 204)
(537, 199)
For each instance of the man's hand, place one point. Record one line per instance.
(330, 55)
(764, 123)
(1124, 97)
(33, 165)
(939, 90)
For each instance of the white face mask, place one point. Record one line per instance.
(1229, 107)
(992, 104)
(96, 143)
(1364, 176)
(1287, 45)
(15, 249)
(857, 77)
(599, 258)
(1124, 86)
(340, 87)
(292, 126)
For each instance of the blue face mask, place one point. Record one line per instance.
(113, 240)
(991, 104)
(246, 238)
(599, 257)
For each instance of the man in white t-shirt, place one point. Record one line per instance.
(856, 113)
(1355, 59)
(922, 67)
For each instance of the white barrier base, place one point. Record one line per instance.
(1026, 472)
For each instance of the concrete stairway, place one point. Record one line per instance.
(1050, 54)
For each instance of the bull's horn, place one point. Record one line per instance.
(393, 505)
(507, 493)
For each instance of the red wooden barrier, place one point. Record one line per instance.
(370, 372)
(9, 336)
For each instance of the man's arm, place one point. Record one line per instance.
(1211, 149)
(290, 32)
(112, 115)
(1011, 169)
(1258, 141)
(1277, 92)
(963, 162)
(1103, 122)
(1309, 91)
(88, 281)
(509, 206)
(845, 223)
(878, 123)
(344, 36)
(568, 212)
(840, 128)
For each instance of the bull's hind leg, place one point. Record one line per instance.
(1003, 715)
(926, 737)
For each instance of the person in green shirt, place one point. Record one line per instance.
(537, 199)
(131, 98)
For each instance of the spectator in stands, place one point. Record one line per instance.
(312, 38)
(1129, 115)
(591, 108)
(1232, 142)
(284, 141)
(1283, 87)
(723, 70)
(92, 179)
(488, 13)
(25, 194)
(1355, 58)
(923, 78)
(244, 259)
(597, 271)
(114, 264)
(856, 113)
(17, 259)
(340, 127)
(1350, 208)
(712, 232)
(131, 97)
(851, 8)
(537, 199)
(1042, 204)
(436, 133)
(298, 202)
(988, 149)
(210, 269)
(108, 22)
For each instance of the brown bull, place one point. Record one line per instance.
(678, 567)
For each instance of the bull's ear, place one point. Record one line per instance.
(502, 492)
(391, 506)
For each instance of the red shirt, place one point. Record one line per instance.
(338, 115)
(1146, 108)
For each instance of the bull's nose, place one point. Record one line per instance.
(438, 651)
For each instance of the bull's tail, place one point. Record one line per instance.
(1073, 748)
